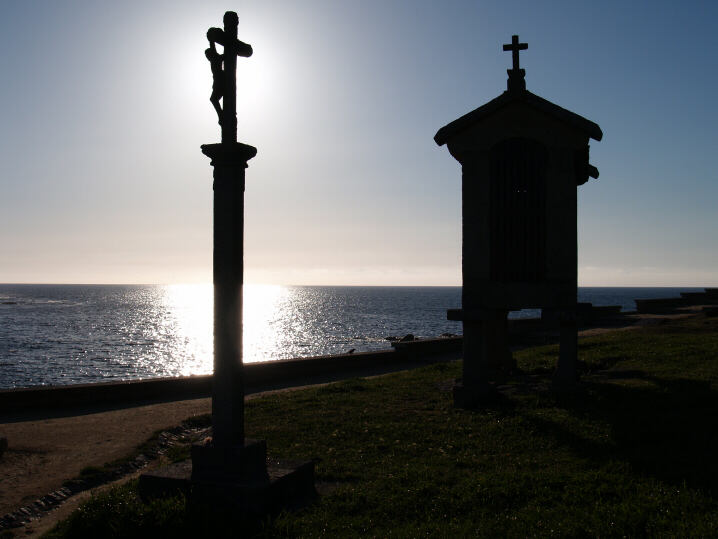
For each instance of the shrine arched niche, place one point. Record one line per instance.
(518, 169)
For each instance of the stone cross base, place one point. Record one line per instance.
(247, 486)
(211, 464)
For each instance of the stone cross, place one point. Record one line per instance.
(229, 159)
(515, 47)
(516, 75)
(224, 72)
(228, 469)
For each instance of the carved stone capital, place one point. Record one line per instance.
(229, 154)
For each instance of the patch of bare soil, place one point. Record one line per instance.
(43, 454)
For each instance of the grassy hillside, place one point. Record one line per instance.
(633, 454)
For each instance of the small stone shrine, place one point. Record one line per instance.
(522, 160)
(229, 469)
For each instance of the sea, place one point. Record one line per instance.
(76, 334)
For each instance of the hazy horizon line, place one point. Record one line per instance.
(321, 285)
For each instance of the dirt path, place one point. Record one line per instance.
(43, 454)
(48, 447)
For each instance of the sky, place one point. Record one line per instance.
(104, 106)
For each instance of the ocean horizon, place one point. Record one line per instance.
(69, 334)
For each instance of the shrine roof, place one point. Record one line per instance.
(579, 122)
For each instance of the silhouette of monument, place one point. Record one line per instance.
(522, 159)
(229, 469)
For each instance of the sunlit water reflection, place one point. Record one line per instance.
(61, 334)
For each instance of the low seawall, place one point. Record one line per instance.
(187, 387)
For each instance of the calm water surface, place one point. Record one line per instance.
(61, 334)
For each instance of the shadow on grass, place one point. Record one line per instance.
(665, 428)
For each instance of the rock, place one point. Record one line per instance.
(446, 335)
(3, 445)
(50, 499)
(391, 338)
(408, 337)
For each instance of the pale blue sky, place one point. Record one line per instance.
(103, 107)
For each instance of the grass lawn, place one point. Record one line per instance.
(633, 454)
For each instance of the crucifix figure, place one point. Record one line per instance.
(224, 73)
(215, 60)
(516, 75)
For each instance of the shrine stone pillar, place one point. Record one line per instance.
(565, 377)
(474, 381)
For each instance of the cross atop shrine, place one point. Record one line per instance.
(515, 47)
(516, 75)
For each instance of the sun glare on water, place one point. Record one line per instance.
(189, 307)
(264, 307)
(190, 313)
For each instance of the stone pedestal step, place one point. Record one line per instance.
(286, 484)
